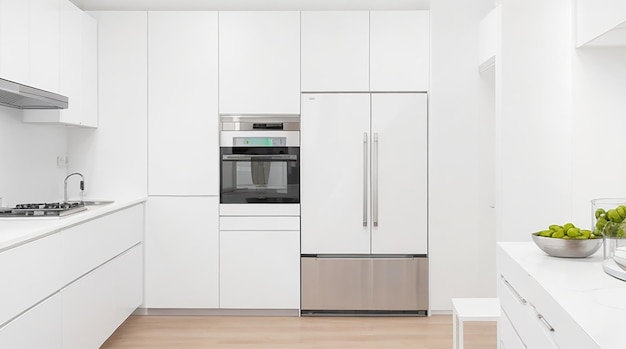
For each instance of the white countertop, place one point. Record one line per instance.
(15, 231)
(595, 300)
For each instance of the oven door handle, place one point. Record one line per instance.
(246, 157)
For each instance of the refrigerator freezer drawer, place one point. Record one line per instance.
(345, 285)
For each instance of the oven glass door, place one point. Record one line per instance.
(260, 175)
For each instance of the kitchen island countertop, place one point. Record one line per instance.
(595, 300)
(15, 231)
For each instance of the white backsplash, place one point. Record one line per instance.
(28, 159)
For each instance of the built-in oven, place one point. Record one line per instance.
(260, 160)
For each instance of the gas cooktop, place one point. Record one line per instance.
(54, 209)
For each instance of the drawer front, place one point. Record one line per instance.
(507, 336)
(30, 273)
(260, 210)
(39, 327)
(567, 333)
(90, 244)
(259, 223)
(534, 331)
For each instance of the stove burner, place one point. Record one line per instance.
(54, 209)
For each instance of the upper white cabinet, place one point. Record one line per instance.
(259, 68)
(335, 51)
(600, 23)
(357, 51)
(43, 38)
(77, 69)
(14, 59)
(183, 142)
(399, 50)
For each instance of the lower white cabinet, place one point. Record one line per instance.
(182, 252)
(73, 288)
(95, 305)
(260, 269)
(39, 327)
(260, 256)
(531, 317)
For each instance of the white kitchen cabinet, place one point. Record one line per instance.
(182, 252)
(95, 305)
(77, 70)
(259, 54)
(43, 36)
(508, 338)
(88, 245)
(30, 273)
(600, 23)
(335, 51)
(260, 261)
(372, 197)
(14, 40)
(39, 327)
(533, 313)
(183, 136)
(399, 50)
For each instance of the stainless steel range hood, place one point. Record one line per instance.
(20, 96)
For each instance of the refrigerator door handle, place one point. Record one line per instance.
(375, 181)
(365, 179)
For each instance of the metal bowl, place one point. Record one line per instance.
(570, 248)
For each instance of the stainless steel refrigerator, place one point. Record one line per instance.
(364, 200)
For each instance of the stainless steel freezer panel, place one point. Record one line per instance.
(361, 285)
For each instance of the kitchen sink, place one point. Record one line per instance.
(97, 202)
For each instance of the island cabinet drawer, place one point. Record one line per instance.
(29, 273)
(534, 312)
(533, 329)
(93, 243)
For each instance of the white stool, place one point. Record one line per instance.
(472, 309)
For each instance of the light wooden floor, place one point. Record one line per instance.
(434, 332)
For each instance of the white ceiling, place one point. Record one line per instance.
(259, 5)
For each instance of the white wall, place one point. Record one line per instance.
(533, 111)
(28, 168)
(461, 157)
(113, 157)
(599, 128)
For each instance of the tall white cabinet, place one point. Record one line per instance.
(182, 103)
(182, 252)
(371, 196)
(259, 62)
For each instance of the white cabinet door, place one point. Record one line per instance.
(260, 269)
(182, 103)
(14, 40)
(335, 51)
(507, 337)
(259, 62)
(335, 173)
(30, 273)
(44, 44)
(399, 50)
(76, 69)
(95, 305)
(182, 252)
(399, 173)
(39, 327)
(88, 245)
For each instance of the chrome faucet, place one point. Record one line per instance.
(82, 186)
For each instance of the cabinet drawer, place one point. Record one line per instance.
(30, 273)
(534, 330)
(90, 244)
(507, 336)
(259, 223)
(567, 333)
(39, 327)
